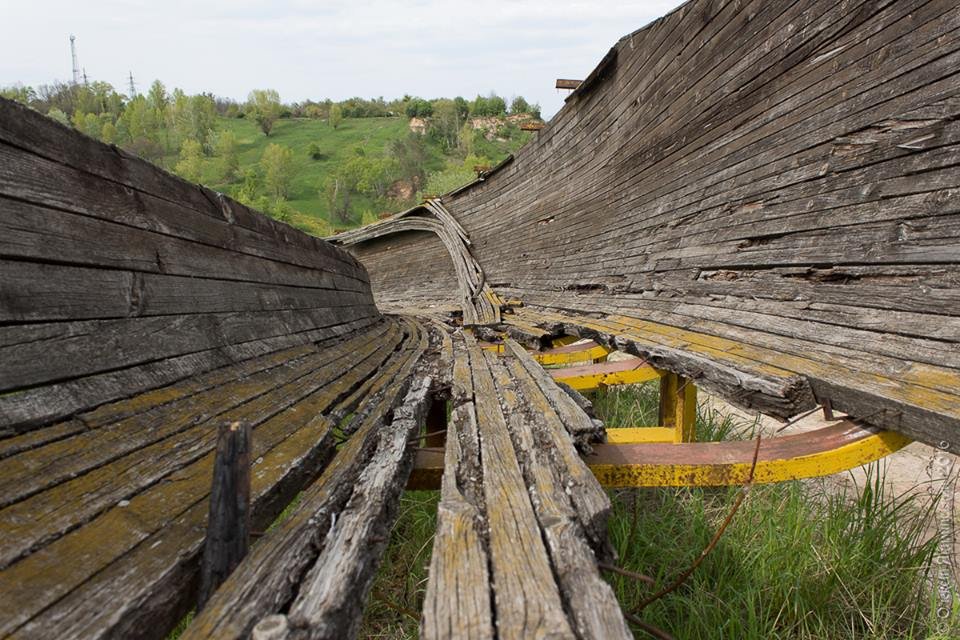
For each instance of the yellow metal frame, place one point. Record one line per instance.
(592, 382)
(677, 426)
(823, 463)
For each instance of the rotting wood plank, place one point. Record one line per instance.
(228, 523)
(40, 518)
(34, 407)
(560, 414)
(106, 441)
(457, 602)
(81, 345)
(526, 598)
(68, 150)
(262, 585)
(332, 594)
(554, 472)
(296, 455)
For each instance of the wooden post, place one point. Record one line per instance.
(678, 407)
(228, 525)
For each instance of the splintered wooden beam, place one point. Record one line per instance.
(228, 526)
(568, 84)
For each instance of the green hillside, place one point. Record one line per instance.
(309, 207)
(321, 166)
(372, 134)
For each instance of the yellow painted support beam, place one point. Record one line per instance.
(637, 435)
(678, 407)
(716, 474)
(563, 341)
(594, 381)
(808, 455)
(587, 355)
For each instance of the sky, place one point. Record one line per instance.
(315, 49)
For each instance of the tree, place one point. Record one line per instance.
(419, 108)
(229, 159)
(445, 126)
(88, 123)
(336, 116)
(190, 166)
(59, 116)
(277, 163)
(519, 106)
(315, 152)
(263, 105)
(108, 133)
(157, 97)
(20, 93)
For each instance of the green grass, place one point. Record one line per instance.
(798, 562)
(373, 135)
(393, 609)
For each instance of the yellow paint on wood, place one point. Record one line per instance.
(587, 355)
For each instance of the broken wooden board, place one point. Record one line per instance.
(545, 513)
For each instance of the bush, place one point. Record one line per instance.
(313, 150)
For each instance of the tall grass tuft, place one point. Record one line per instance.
(801, 560)
(393, 609)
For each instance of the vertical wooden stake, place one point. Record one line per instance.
(678, 407)
(228, 526)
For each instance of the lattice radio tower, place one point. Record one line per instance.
(133, 86)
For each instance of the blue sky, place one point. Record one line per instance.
(320, 49)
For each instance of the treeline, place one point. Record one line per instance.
(184, 133)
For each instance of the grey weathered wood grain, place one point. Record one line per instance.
(526, 597)
(458, 600)
(565, 497)
(262, 585)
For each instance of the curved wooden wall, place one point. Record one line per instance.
(779, 174)
(116, 277)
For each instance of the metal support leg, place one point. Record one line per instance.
(678, 407)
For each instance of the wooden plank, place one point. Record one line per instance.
(36, 520)
(594, 610)
(115, 431)
(526, 597)
(92, 346)
(302, 441)
(228, 523)
(43, 234)
(262, 585)
(34, 407)
(457, 602)
(115, 171)
(333, 592)
(36, 292)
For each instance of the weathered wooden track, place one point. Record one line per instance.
(756, 198)
(761, 195)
